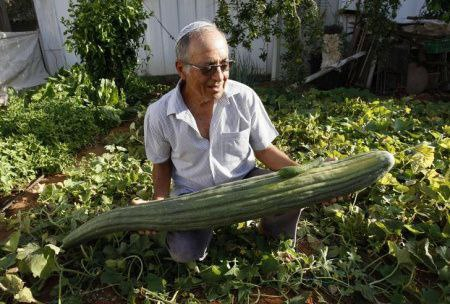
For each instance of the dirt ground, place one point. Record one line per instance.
(28, 197)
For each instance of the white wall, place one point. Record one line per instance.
(173, 14)
(51, 34)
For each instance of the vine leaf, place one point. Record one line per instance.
(25, 296)
(402, 254)
(423, 156)
(11, 243)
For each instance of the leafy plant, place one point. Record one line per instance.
(22, 158)
(41, 129)
(107, 35)
(389, 243)
(297, 23)
(438, 9)
(377, 17)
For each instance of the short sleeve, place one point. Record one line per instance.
(262, 131)
(157, 148)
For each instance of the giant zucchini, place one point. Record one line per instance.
(290, 188)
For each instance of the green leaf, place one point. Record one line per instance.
(234, 271)
(106, 200)
(413, 230)
(444, 273)
(25, 296)
(24, 252)
(268, 264)
(388, 179)
(402, 254)
(211, 274)
(446, 129)
(54, 248)
(423, 157)
(430, 296)
(10, 245)
(110, 276)
(37, 264)
(366, 291)
(424, 252)
(445, 143)
(155, 283)
(12, 283)
(7, 261)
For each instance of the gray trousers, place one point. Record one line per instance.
(186, 246)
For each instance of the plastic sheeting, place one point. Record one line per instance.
(21, 64)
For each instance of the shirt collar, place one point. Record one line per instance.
(176, 104)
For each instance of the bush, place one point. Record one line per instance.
(107, 34)
(41, 129)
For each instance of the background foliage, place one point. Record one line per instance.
(298, 23)
(107, 35)
(41, 130)
(377, 16)
(438, 9)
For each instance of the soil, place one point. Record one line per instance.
(434, 96)
(28, 198)
(103, 296)
(269, 296)
(99, 147)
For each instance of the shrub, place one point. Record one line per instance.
(107, 35)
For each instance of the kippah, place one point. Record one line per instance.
(192, 27)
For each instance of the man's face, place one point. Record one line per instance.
(208, 49)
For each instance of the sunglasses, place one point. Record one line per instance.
(209, 70)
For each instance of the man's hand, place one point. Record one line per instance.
(138, 201)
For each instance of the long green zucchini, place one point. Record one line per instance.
(290, 188)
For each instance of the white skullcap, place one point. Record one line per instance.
(192, 27)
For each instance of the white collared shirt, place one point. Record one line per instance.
(239, 126)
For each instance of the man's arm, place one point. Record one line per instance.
(161, 175)
(273, 158)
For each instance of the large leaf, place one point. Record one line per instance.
(402, 254)
(423, 156)
(13, 283)
(25, 296)
(10, 245)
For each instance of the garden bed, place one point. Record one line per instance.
(389, 243)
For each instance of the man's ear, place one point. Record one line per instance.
(181, 69)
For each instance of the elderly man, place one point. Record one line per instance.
(207, 131)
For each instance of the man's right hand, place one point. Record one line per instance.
(138, 201)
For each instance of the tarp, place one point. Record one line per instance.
(21, 64)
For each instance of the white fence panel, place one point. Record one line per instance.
(51, 35)
(169, 18)
(172, 15)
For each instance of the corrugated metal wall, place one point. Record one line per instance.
(172, 14)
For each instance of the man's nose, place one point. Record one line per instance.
(217, 73)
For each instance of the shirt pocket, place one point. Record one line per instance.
(235, 146)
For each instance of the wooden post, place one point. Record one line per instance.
(275, 54)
